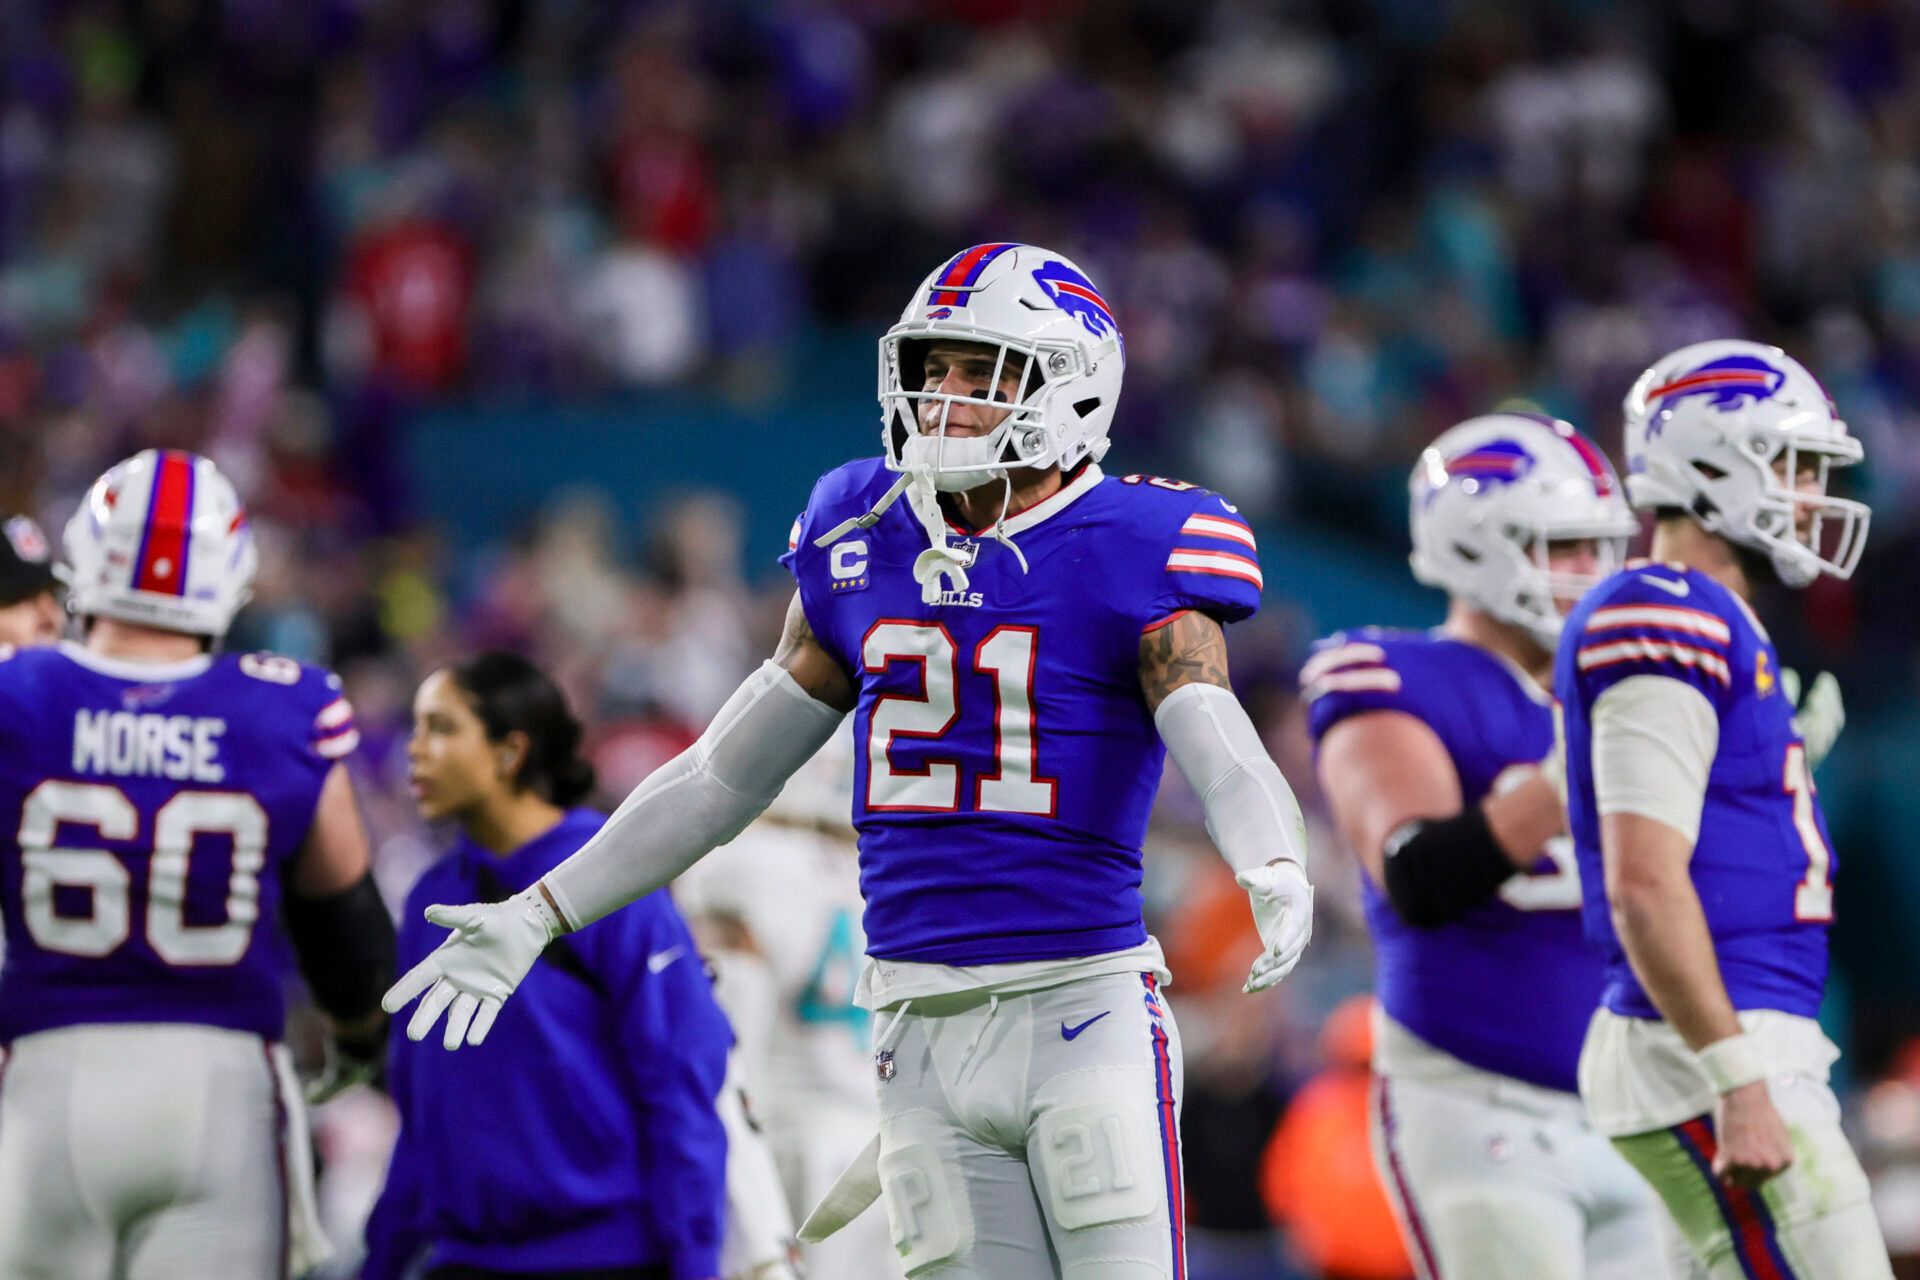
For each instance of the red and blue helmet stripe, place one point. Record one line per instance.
(952, 281)
(1596, 462)
(166, 535)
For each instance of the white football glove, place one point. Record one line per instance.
(1820, 716)
(1283, 913)
(489, 951)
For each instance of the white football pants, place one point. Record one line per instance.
(1812, 1222)
(1498, 1179)
(1034, 1135)
(151, 1152)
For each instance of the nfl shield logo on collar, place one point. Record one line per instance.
(883, 1064)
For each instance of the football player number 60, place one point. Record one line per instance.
(1009, 656)
(109, 918)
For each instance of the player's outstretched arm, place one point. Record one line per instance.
(1396, 796)
(1252, 815)
(700, 799)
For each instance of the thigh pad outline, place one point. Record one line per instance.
(1101, 1162)
(928, 1215)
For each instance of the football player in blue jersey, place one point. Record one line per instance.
(1015, 641)
(163, 808)
(1428, 746)
(1690, 798)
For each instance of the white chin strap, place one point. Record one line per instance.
(942, 567)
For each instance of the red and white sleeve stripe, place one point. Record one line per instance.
(1348, 668)
(1201, 526)
(1664, 617)
(1655, 649)
(1223, 564)
(334, 733)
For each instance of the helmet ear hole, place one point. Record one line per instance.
(1086, 408)
(1466, 553)
(1708, 471)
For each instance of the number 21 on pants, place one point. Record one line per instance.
(1009, 656)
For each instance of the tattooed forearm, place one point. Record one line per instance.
(808, 662)
(1192, 649)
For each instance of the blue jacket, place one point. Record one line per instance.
(582, 1134)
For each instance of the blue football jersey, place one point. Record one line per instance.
(1763, 864)
(146, 815)
(1006, 760)
(1508, 987)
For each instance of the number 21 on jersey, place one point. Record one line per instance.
(1009, 656)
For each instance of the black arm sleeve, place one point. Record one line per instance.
(1437, 870)
(346, 948)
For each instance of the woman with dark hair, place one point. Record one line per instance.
(582, 1140)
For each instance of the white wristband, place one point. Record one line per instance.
(1732, 1062)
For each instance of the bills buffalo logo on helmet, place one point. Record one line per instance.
(1074, 294)
(1730, 383)
(1497, 462)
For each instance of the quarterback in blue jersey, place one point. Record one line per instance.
(1429, 745)
(1020, 642)
(1690, 796)
(163, 808)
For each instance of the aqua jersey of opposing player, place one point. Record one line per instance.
(1009, 759)
(1508, 987)
(1012, 684)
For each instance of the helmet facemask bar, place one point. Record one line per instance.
(1805, 532)
(1019, 439)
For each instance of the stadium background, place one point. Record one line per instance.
(530, 324)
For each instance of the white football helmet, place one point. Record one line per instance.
(1720, 429)
(1489, 496)
(162, 539)
(1035, 306)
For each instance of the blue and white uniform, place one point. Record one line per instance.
(1007, 762)
(1477, 1126)
(148, 815)
(1763, 867)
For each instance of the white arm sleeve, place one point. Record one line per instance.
(1251, 813)
(1654, 739)
(700, 799)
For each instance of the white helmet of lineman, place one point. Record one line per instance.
(161, 539)
(1721, 429)
(1491, 494)
(1041, 312)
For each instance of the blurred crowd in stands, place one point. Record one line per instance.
(276, 231)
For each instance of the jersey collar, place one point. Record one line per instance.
(124, 669)
(1069, 493)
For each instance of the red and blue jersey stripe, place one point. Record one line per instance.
(167, 534)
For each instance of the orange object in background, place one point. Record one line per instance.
(1317, 1177)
